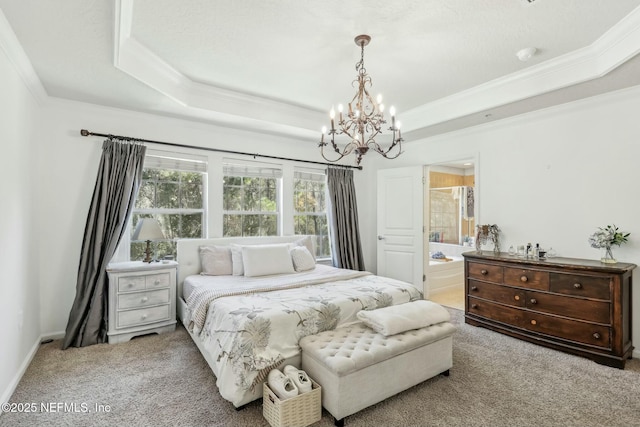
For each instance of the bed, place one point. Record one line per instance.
(245, 325)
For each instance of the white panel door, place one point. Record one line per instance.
(400, 221)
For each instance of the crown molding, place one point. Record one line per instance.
(11, 46)
(612, 49)
(220, 105)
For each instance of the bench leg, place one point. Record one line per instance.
(446, 373)
(339, 423)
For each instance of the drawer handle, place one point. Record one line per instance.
(534, 301)
(577, 285)
(517, 297)
(143, 317)
(484, 272)
(596, 335)
(474, 288)
(130, 285)
(474, 305)
(523, 278)
(157, 282)
(144, 299)
(533, 322)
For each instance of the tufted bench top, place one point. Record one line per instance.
(355, 347)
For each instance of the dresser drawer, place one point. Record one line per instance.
(571, 330)
(489, 273)
(131, 283)
(525, 278)
(584, 286)
(510, 315)
(155, 281)
(143, 299)
(497, 293)
(593, 311)
(143, 316)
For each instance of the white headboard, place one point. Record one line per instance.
(188, 255)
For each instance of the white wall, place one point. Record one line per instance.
(550, 177)
(19, 302)
(70, 162)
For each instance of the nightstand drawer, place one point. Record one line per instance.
(143, 316)
(131, 283)
(143, 299)
(155, 281)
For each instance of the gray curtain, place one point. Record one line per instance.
(117, 184)
(346, 248)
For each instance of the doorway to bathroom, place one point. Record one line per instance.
(451, 206)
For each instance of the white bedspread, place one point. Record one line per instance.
(250, 333)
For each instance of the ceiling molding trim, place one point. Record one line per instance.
(13, 49)
(616, 46)
(247, 111)
(617, 96)
(222, 105)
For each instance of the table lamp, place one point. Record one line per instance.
(148, 229)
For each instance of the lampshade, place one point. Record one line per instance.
(148, 229)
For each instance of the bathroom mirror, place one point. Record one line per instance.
(452, 203)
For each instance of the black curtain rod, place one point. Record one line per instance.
(85, 132)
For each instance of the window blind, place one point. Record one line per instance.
(175, 161)
(251, 169)
(315, 175)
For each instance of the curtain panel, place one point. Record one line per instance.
(343, 219)
(117, 184)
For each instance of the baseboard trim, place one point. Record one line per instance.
(52, 336)
(23, 368)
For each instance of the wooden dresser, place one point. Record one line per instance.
(578, 306)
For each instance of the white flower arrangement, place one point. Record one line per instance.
(608, 236)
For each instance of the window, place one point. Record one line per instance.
(251, 200)
(310, 209)
(172, 191)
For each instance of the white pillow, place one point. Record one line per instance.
(236, 260)
(263, 260)
(215, 260)
(302, 258)
(308, 243)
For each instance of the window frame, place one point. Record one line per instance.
(313, 175)
(243, 169)
(173, 161)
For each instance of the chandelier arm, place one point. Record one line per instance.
(396, 142)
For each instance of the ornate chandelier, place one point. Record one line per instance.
(363, 121)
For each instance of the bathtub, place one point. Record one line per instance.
(443, 276)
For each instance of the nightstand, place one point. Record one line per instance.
(142, 299)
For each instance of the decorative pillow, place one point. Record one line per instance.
(236, 260)
(263, 260)
(308, 243)
(215, 260)
(395, 319)
(302, 258)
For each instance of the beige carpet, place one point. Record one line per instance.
(162, 380)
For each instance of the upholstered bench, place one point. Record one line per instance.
(358, 367)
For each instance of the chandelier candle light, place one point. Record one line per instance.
(363, 121)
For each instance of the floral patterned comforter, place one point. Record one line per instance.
(248, 335)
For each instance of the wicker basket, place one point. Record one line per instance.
(299, 411)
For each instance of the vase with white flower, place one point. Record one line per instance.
(605, 238)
